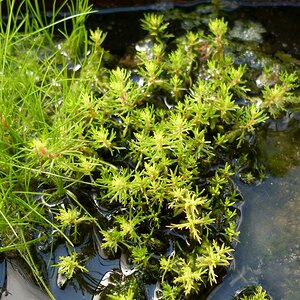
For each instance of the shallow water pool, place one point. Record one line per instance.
(269, 249)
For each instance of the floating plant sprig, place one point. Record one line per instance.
(70, 264)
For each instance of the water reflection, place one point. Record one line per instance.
(269, 248)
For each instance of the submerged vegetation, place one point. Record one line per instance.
(138, 160)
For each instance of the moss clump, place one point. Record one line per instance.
(155, 146)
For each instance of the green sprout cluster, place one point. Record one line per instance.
(253, 293)
(156, 145)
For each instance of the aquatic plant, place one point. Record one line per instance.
(155, 145)
(69, 265)
(253, 293)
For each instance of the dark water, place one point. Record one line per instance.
(269, 248)
(268, 252)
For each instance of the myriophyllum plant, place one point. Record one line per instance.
(155, 145)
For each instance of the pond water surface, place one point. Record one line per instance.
(268, 252)
(269, 248)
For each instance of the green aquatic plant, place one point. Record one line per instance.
(156, 26)
(128, 296)
(71, 217)
(144, 156)
(254, 293)
(276, 97)
(69, 265)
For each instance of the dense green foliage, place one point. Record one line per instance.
(156, 144)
